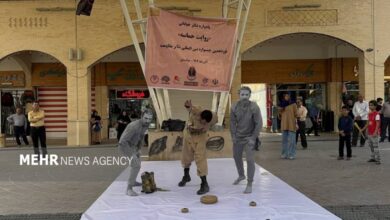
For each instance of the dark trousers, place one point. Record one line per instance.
(19, 131)
(314, 127)
(39, 133)
(120, 130)
(385, 125)
(301, 132)
(356, 134)
(347, 140)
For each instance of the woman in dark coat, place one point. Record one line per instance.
(123, 120)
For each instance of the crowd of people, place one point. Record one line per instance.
(367, 121)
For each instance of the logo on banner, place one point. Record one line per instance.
(205, 81)
(176, 79)
(154, 79)
(215, 82)
(191, 73)
(165, 79)
(190, 83)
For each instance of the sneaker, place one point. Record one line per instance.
(348, 158)
(371, 160)
(378, 162)
(340, 158)
(283, 157)
(291, 158)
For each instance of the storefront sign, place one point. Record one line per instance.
(48, 74)
(12, 79)
(185, 52)
(132, 94)
(307, 73)
(124, 74)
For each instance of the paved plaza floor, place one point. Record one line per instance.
(352, 189)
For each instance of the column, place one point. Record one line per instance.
(101, 102)
(371, 76)
(79, 106)
(236, 85)
(334, 93)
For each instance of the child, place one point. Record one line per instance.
(372, 127)
(345, 129)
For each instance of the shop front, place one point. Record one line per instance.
(311, 93)
(131, 100)
(49, 83)
(43, 79)
(317, 81)
(126, 90)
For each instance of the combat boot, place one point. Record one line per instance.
(186, 178)
(204, 186)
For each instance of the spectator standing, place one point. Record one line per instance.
(379, 102)
(314, 114)
(123, 120)
(288, 115)
(301, 122)
(360, 111)
(345, 126)
(38, 131)
(373, 132)
(385, 121)
(350, 105)
(274, 118)
(19, 122)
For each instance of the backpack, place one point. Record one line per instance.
(173, 125)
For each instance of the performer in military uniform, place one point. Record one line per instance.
(245, 125)
(195, 137)
(130, 144)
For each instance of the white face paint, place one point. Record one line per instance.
(244, 94)
(147, 119)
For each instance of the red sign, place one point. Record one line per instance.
(132, 94)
